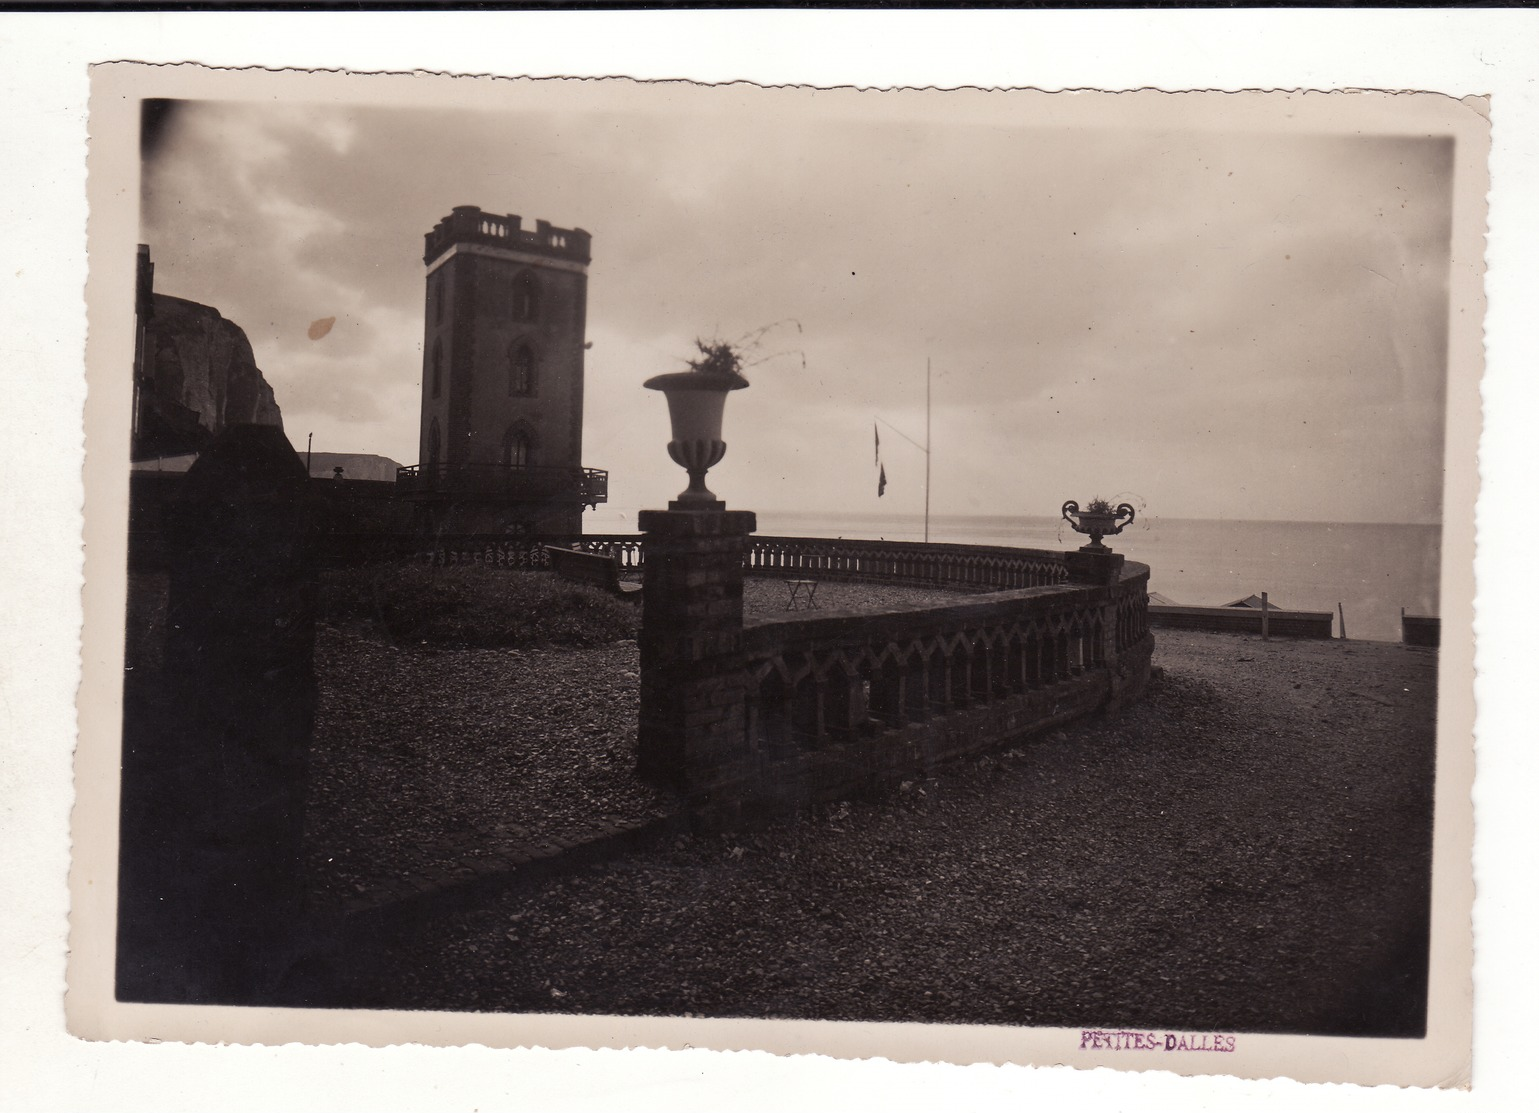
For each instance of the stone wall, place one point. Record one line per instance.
(1244, 620)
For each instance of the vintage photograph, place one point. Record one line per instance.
(659, 550)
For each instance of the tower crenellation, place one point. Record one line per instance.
(467, 224)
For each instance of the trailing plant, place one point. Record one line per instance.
(734, 357)
(717, 357)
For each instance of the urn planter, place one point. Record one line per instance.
(1098, 522)
(696, 402)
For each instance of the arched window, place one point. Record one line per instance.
(526, 297)
(521, 369)
(435, 442)
(438, 368)
(517, 448)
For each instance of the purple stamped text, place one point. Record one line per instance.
(1120, 1039)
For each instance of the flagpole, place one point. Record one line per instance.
(927, 450)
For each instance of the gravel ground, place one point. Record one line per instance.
(1246, 849)
(425, 756)
(768, 598)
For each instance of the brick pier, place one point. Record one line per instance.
(692, 665)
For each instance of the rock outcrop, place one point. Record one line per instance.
(198, 376)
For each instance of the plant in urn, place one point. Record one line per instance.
(1099, 519)
(696, 401)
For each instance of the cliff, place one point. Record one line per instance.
(199, 375)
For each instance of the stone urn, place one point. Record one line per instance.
(696, 401)
(1098, 520)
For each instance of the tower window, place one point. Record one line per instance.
(521, 370)
(526, 297)
(438, 300)
(438, 368)
(435, 442)
(516, 449)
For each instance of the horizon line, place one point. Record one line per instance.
(919, 515)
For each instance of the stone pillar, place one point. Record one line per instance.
(1100, 569)
(819, 724)
(853, 711)
(693, 731)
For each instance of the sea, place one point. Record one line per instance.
(1364, 573)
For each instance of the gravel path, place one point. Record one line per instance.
(1246, 849)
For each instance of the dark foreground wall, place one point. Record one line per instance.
(359, 517)
(216, 741)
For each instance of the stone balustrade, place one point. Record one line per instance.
(768, 716)
(819, 680)
(844, 702)
(966, 567)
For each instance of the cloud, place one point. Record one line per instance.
(1202, 312)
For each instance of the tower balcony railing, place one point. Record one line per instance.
(516, 482)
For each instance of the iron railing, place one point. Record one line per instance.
(523, 483)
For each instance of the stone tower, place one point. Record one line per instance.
(502, 377)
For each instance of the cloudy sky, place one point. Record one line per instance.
(1213, 322)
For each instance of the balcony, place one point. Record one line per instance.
(503, 483)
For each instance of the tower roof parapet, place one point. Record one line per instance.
(467, 224)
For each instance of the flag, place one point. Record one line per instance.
(877, 433)
(881, 481)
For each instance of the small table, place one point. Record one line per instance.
(806, 590)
